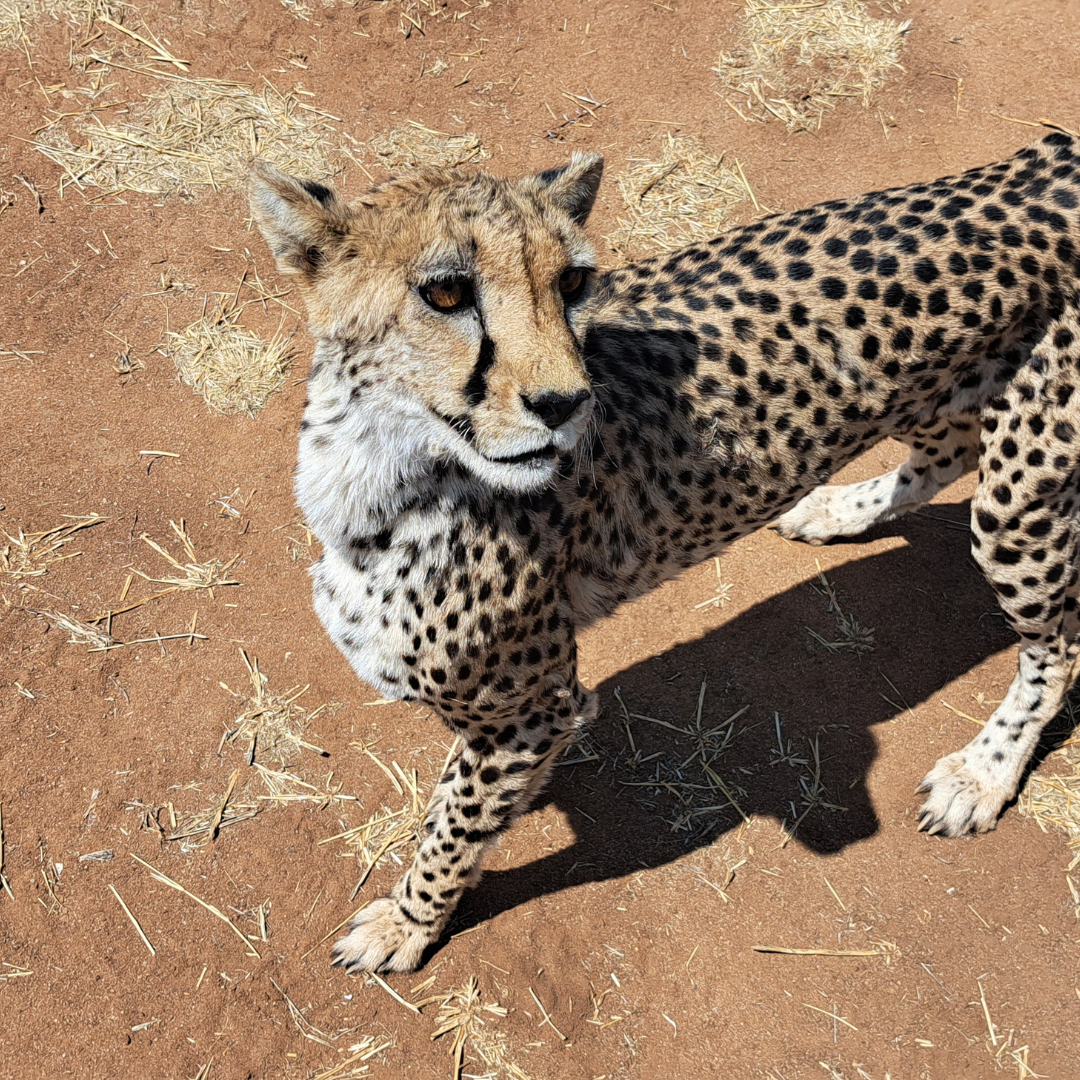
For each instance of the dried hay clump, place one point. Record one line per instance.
(1054, 799)
(232, 369)
(17, 16)
(31, 554)
(196, 573)
(414, 145)
(79, 633)
(461, 1015)
(193, 134)
(386, 830)
(795, 62)
(301, 9)
(685, 196)
(274, 726)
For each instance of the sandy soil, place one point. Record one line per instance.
(635, 937)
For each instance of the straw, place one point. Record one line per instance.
(677, 192)
(794, 62)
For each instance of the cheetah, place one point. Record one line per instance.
(503, 443)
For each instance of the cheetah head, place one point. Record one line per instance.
(460, 297)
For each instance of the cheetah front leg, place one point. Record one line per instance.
(502, 766)
(940, 454)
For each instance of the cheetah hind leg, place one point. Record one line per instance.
(940, 454)
(1025, 538)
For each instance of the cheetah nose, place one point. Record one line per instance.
(555, 409)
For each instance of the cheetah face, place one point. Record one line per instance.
(459, 297)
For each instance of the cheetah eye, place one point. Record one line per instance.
(572, 283)
(448, 296)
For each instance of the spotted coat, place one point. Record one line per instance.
(715, 390)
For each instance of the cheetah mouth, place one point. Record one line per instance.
(528, 457)
(531, 459)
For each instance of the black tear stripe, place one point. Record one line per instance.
(476, 388)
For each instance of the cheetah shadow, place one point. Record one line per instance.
(934, 618)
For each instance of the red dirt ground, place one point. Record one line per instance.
(592, 892)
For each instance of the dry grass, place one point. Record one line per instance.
(273, 724)
(18, 17)
(352, 1067)
(796, 61)
(693, 779)
(1053, 798)
(722, 596)
(164, 879)
(683, 196)
(413, 15)
(195, 573)
(702, 796)
(30, 555)
(275, 728)
(79, 633)
(461, 1015)
(234, 370)
(190, 135)
(413, 146)
(386, 830)
(854, 637)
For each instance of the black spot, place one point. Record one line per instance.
(937, 303)
(888, 265)
(926, 271)
(862, 261)
(894, 295)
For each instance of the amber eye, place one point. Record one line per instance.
(451, 295)
(572, 283)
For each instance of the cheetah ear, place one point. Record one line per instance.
(571, 187)
(302, 221)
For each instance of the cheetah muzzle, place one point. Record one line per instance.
(501, 444)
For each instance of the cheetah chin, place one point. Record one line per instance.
(502, 444)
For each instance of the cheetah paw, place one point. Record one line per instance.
(961, 799)
(813, 519)
(381, 939)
